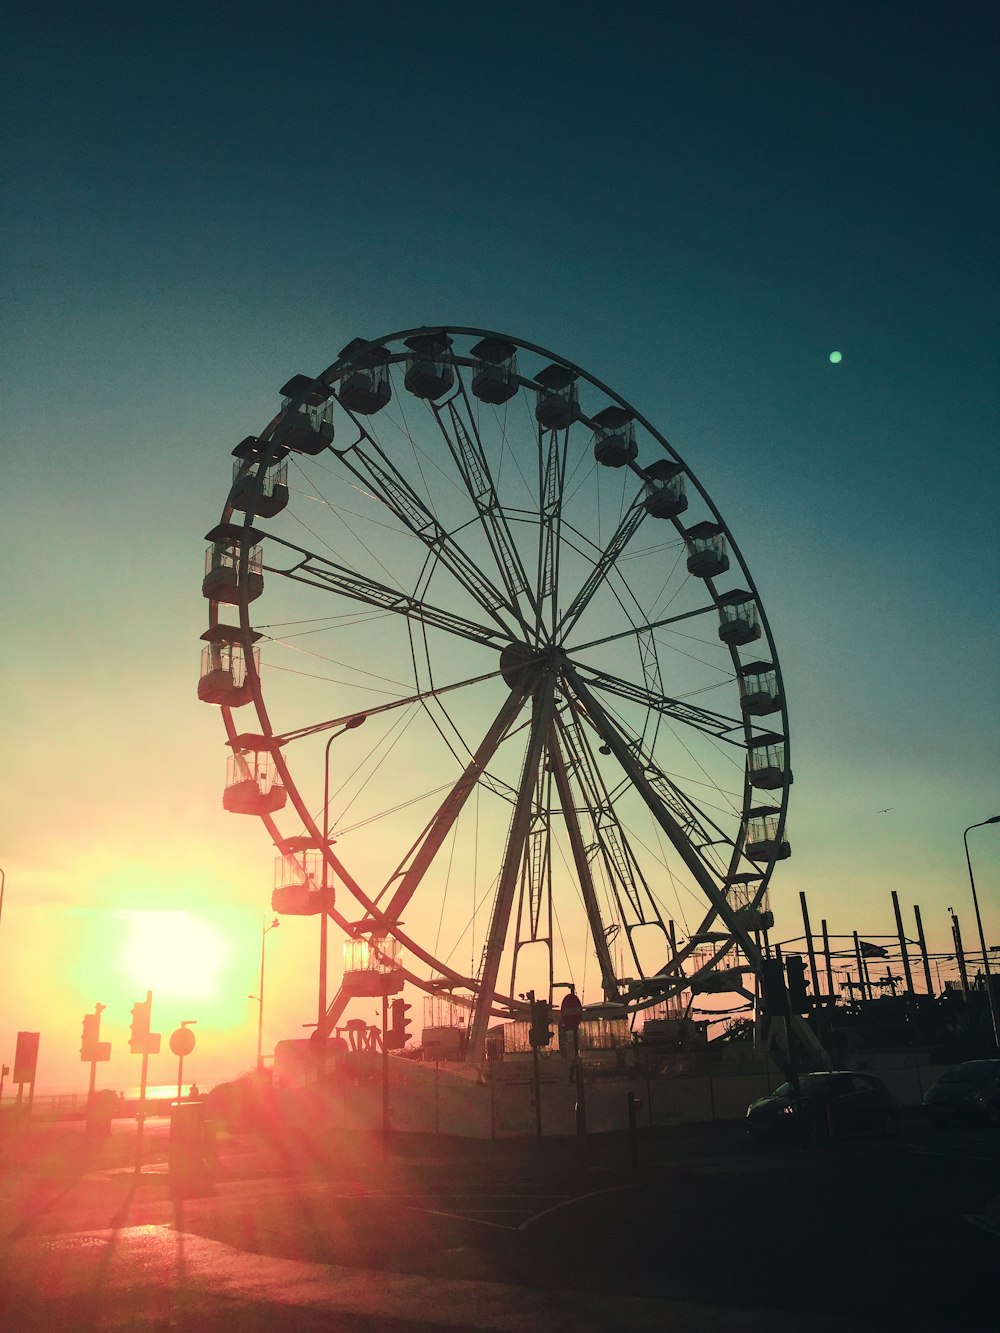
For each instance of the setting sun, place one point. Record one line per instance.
(173, 953)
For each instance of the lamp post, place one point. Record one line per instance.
(994, 819)
(349, 725)
(260, 998)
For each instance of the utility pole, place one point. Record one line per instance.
(994, 819)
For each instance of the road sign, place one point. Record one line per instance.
(182, 1041)
(570, 1012)
(25, 1057)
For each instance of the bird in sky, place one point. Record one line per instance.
(885, 811)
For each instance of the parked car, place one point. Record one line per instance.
(969, 1091)
(828, 1105)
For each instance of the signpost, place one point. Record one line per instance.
(385, 1075)
(570, 1017)
(92, 1049)
(145, 1043)
(182, 1043)
(25, 1064)
(534, 1034)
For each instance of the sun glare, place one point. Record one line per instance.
(175, 954)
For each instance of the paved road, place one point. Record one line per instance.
(704, 1233)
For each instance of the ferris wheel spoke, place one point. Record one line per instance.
(541, 720)
(699, 829)
(351, 719)
(533, 926)
(598, 931)
(627, 885)
(552, 447)
(646, 627)
(626, 530)
(320, 572)
(664, 817)
(702, 719)
(466, 448)
(412, 869)
(373, 468)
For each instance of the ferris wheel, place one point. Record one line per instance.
(518, 716)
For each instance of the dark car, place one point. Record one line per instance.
(968, 1091)
(828, 1105)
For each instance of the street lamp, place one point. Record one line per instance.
(349, 725)
(994, 819)
(260, 998)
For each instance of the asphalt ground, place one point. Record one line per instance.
(339, 1230)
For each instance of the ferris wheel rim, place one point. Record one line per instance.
(271, 437)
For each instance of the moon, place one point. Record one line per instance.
(836, 358)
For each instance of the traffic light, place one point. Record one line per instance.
(91, 1046)
(89, 1037)
(398, 1035)
(541, 1018)
(795, 971)
(772, 987)
(141, 1041)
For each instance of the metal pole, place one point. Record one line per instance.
(809, 945)
(323, 925)
(581, 1105)
(902, 942)
(260, 996)
(142, 1111)
(535, 1068)
(633, 1138)
(861, 970)
(923, 950)
(829, 962)
(995, 819)
(260, 1003)
(385, 1071)
(956, 934)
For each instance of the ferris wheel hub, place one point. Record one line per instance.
(522, 666)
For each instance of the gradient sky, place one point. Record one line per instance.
(696, 202)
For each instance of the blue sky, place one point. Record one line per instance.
(697, 203)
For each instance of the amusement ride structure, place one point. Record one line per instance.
(518, 718)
